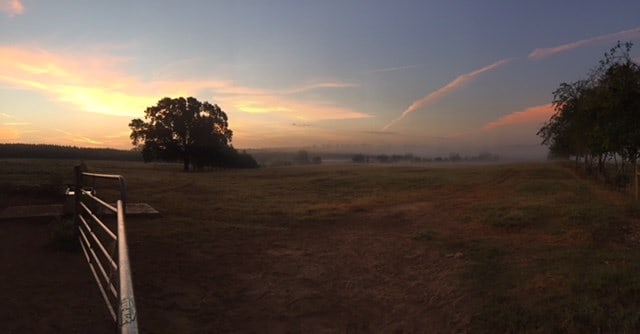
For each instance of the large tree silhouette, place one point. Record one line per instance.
(183, 129)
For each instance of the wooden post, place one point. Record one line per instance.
(635, 178)
(77, 191)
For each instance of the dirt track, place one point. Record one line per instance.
(45, 290)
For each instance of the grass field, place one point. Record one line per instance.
(414, 248)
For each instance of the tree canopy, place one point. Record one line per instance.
(598, 118)
(197, 133)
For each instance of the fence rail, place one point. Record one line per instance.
(104, 243)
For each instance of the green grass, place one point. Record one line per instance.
(564, 290)
(545, 251)
(558, 260)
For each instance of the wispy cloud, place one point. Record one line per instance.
(539, 113)
(319, 85)
(97, 83)
(78, 138)
(13, 129)
(11, 7)
(118, 135)
(90, 82)
(542, 53)
(392, 69)
(16, 123)
(453, 85)
(380, 133)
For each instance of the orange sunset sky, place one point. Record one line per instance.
(416, 76)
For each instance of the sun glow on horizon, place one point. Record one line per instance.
(94, 83)
(311, 74)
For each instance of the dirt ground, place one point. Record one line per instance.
(45, 290)
(366, 273)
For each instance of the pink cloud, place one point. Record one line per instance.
(453, 85)
(542, 53)
(538, 113)
(11, 7)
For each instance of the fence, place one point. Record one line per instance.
(101, 230)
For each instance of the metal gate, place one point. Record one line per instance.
(101, 230)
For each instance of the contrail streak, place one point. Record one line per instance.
(453, 85)
(542, 53)
(391, 69)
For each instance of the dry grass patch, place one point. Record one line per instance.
(534, 248)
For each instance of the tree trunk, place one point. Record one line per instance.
(186, 163)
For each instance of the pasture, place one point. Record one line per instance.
(352, 248)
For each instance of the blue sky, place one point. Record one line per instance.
(421, 76)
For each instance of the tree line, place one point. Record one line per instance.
(45, 151)
(409, 157)
(597, 119)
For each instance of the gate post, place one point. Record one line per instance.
(635, 178)
(77, 192)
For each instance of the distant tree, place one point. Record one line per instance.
(455, 157)
(359, 158)
(487, 156)
(302, 158)
(383, 158)
(197, 133)
(316, 160)
(411, 157)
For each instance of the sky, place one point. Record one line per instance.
(426, 77)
